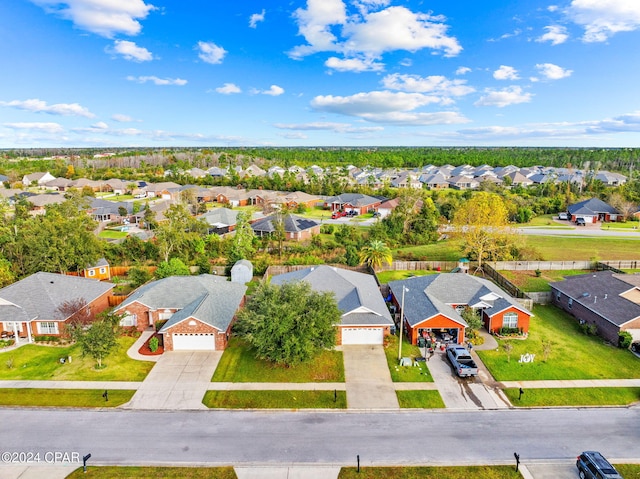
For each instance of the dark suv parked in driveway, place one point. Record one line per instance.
(593, 465)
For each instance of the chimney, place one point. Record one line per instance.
(595, 298)
(605, 295)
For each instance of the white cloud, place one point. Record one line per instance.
(36, 126)
(602, 19)
(101, 125)
(121, 118)
(553, 72)
(435, 84)
(274, 90)
(228, 89)
(255, 18)
(504, 36)
(158, 81)
(507, 96)
(294, 136)
(210, 52)
(369, 33)
(463, 70)
(506, 73)
(556, 34)
(356, 65)
(40, 106)
(328, 126)
(130, 51)
(102, 17)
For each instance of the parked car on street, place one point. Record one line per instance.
(593, 465)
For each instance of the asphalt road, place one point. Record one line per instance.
(260, 438)
(581, 232)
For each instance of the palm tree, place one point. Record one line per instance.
(376, 253)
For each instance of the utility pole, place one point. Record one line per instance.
(401, 322)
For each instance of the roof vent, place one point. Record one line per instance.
(585, 295)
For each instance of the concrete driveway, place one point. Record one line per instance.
(179, 380)
(367, 378)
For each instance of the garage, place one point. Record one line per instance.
(362, 335)
(194, 342)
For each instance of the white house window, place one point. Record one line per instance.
(510, 320)
(570, 303)
(48, 327)
(9, 326)
(92, 272)
(166, 314)
(128, 320)
(103, 270)
(558, 295)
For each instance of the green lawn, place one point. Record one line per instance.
(558, 248)
(629, 225)
(276, 399)
(135, 472)
(238, 364)
(385, 276)
(448, 250)
(574, 397)
(573, 354)
(451, 472)
(41, 362)
(112, 234)
(528, 281)
(63, 397)
(430, 399)
(405, 373)
(545, 221)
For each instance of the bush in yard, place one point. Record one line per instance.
(153, 344)
(288, 324)
(624, 339)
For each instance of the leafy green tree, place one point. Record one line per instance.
(289, 324)
(173, 267)
(138, 276)
(97, 341)
(242, 241)
(375, 254)
(6, 274)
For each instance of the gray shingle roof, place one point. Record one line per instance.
(434, 294)
(292, 224)
(208, 298)
(357, 294)
(591, 206)
(600, 292)
(40, 295)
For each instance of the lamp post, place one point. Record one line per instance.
(401, 322)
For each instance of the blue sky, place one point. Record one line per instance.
(104, 73)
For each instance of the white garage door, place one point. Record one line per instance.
(194, 342)
(362, 335)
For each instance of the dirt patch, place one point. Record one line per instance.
(145, 350)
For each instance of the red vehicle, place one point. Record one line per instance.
(338, 214)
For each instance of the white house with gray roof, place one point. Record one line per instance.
(193, 312)
(365, 318)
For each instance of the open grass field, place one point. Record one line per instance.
(112, 234)
(462, 472)
(40, 362)
(276, 399)
(135, 472)
(385, 276)
(238, 364)
(574, 397)
(556, 248)
(420, 399)
(528, 281)
(405, 373)
(573, 355)
(63, 397)
(448, 250)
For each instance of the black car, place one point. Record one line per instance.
(593, 465)
(581, 222)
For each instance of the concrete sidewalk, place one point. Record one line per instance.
(367, 378)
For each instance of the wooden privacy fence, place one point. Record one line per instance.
(116, 300)
(541, 265)
(445, 266)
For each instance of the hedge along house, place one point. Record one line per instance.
(43, 303)
(196, 312)
(433, 305)
(365, 318)
(606, 300)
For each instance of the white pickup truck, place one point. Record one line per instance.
(461, 361)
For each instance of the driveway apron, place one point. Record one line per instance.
(179, 380)
(367, 378)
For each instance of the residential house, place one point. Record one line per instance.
(611, 179)
(606, 300)
(296, 228)
(593, 210)
(59, 184)
(253, 170)
(81, 183)
(388, 206)
(433, 305)
(352, 202)
(197, 311)
(41, 304)
(116, 186)
(220, 220)
(365, 318)
(39, 179)
(197, 173)
(167, 190)
(463, 183)
(435, 181)
(518, 179)
(104, 210)
(217, 172)
(40, 202)
(407, 179)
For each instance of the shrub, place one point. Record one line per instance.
(327, 229)
(153, 344)
(46, 339)
(624, 339)
(159, 324)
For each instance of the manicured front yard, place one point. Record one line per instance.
(450, 472)
(135, 472)
(573, 355)
(276, 399)
(574, 397)
(112, 234)
(528, 281)
(238, 364)
(39, 362)
(423, 399)
(385, 276)
(418, 373)
(63, 397)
